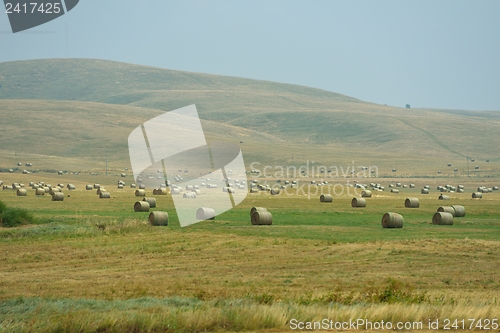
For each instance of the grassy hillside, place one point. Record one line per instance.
(81, 108)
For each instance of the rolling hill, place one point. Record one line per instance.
(68, 113)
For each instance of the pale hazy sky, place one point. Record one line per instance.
(442, 54)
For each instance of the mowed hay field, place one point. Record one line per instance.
(94, 265)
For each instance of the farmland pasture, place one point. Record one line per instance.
(94, 265)
(96, 256)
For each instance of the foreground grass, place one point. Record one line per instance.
(191, 315)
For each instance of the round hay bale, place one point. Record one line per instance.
(71, 187)
(158, 218)
(96, 186)
(205, 213)
(447, 209)
(54, 190)
(189, 195)
(105, 195)
(58, 196)
(424, 191)
(495, 188)
(22, 192)
(275, 191)
(261, 218)
(412, 185)
(133, 186)
(459, 210)
(477, 195)
(358, 202)
(175, 191)
(326, 198)
(443, 197)
(40, 191)
(89, 187)
(100, 190)
(366, 194)
(412, 203)
(392, 220)
(442, 218)
(394, 190)
(140, 193)
(197, 192)
(120, 187)
(47, 189)
(257, 209)
(150, 201)
(253, 190)
(142, 187)
(141, 206)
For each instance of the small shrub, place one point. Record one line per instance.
(2, 207)
(12, 217)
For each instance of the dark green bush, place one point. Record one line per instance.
(2, 207)
(12, 217)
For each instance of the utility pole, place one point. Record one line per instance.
(468, 170)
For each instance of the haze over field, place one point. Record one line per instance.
(82, 108)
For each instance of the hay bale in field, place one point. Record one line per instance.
(196, 191)
(54, 190)
(205, 213)
(96, 186)
(460, 190)
(161, 191)
(120, 187)
(442, 218)
(58, 196)
(275, 191)
(392, 220)
(40, 191)
(257, 209)
(366, 194)
(253, 190)
(424, 191)
(141, 206)
(447, 209)
(133, 186)
(443, 197)
(412, 185)
(459, 210)
(175, 191)
(140, 193)
(22, 192)
(326, 198)
(261, 218)
(358, 202)
(412, 203)
(495, 188)
(477, 195)
(158, 218)
(150, 201)
(100, 190)
(89, 187)
(189, 187)
(105, 195)
(71, 187)
(394, 190)
(142, 187)
(46, 189)
(189, 195)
